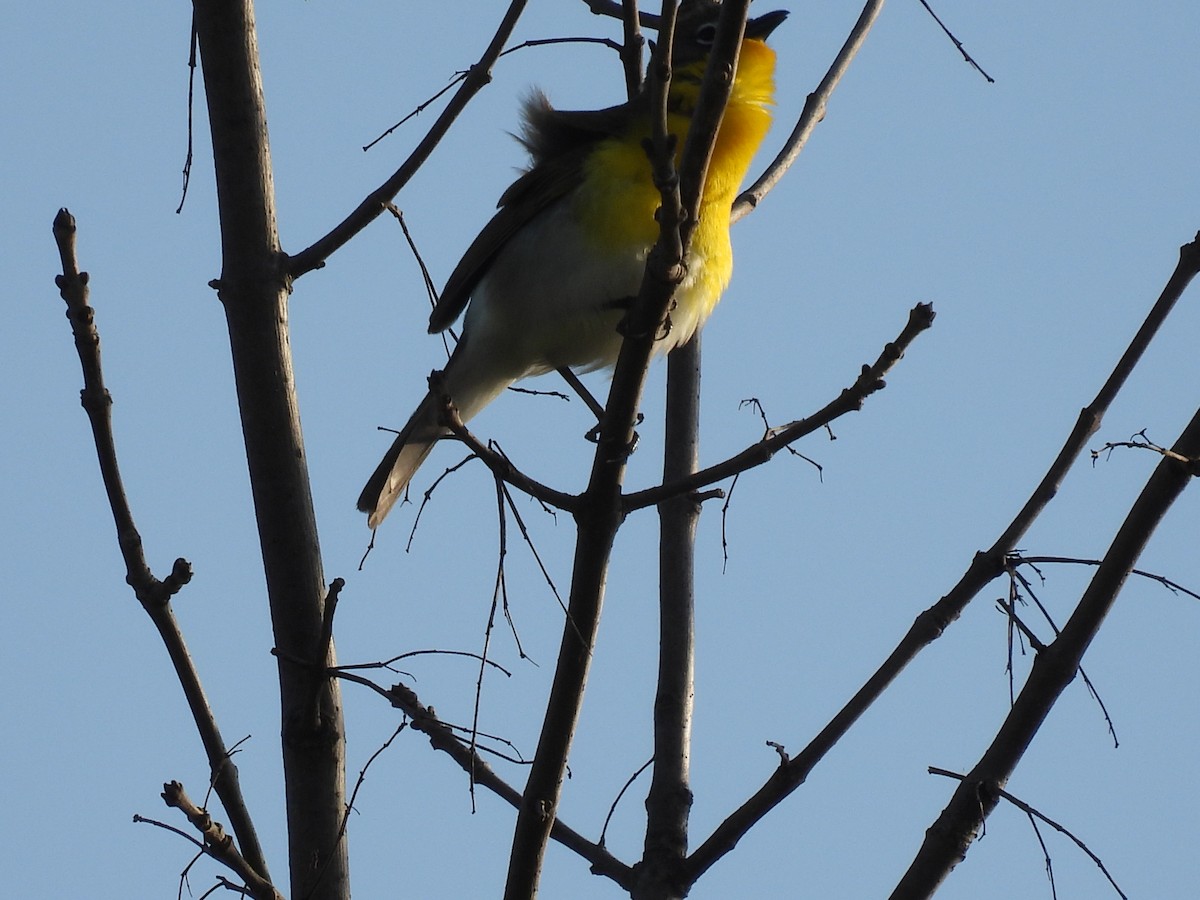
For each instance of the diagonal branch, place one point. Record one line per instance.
(851, 399)
(217, 843)
(153, 594)
(442, 737)
(1034, 813)
(812, 114)
(957, 43)
(947, 840)
(478, 77)
(931, 623)
(500, 465)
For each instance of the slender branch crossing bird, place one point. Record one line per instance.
(547, 281)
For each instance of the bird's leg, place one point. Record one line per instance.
(666, 326)
(593, 433)
(447, 412)
(626, 304)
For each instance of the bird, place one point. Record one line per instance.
(546, 282)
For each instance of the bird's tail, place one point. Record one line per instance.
(402, 460)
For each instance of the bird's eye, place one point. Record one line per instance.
(706, 34)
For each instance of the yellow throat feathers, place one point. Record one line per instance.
(619, 197)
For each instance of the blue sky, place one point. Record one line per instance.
(1041, 215)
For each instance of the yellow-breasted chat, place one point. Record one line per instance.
(548, 279)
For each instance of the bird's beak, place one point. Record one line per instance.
(760, 27)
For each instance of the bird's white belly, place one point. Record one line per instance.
(552, 297)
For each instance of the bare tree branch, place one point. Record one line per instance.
(1033, 813)
(617, 9)
(931, 623)
(601, 514)
(478, 76)
(500, 465)
(947, 840)
(811, 116)
(957, 43)
(869, 381)
(669, 803)
(442, 737)
(631, 48)
(1174, 587)
(217, 843)
(153, 594)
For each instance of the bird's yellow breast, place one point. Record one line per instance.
(617, 200)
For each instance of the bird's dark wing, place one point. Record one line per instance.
(525, 199)
(559, 142)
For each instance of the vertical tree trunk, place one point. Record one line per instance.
(669, 803)
(254, 292)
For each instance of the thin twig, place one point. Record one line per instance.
(725, 507)
(362, 777)
(1038, 646)
(957, 43)
(462, 76)
(140, 819)
(428, 496)
(621, 793)
(478, 76)
(1036, 814)
(727, 496)
(584, 394)
(1133, 443)
(1173, 586)
(426, 278)
(499, 594)
(388, 663)
(191, 103)
(525, 535)
(1037, 832)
